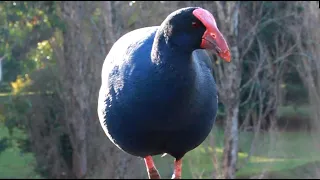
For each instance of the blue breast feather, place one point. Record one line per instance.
(147, 108)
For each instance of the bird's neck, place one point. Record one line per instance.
(164, 51)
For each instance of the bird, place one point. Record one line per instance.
(158, 94)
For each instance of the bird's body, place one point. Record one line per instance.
(151, 108)
(158, 94)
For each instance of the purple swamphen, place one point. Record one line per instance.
(158, 94)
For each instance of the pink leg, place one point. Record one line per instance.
(151, 168)
(177, 169)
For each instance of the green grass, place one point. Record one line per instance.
(13, 164)
(282, 155)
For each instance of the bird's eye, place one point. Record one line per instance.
(195, 24)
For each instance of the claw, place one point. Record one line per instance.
(175, 177)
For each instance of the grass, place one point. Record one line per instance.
(14, 164)
(282, 155)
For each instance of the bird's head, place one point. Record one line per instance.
(195, 28)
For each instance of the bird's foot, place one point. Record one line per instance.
(177, 169)
(151, 168)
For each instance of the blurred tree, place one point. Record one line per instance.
(307, 63)
(83, 52)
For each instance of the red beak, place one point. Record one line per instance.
(212, 38)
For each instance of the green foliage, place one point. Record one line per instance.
(25, 31)
(295, 89)
(23, 26)
(24, 34)
(4, 144)
(14, 111)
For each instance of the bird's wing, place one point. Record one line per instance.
(122, 46)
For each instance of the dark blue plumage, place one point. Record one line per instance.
(156, 97)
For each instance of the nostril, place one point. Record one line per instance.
(213, 35)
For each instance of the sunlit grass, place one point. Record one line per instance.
(279, 153)
(13, 163)
(286, 151)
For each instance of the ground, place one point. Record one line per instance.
(282, 155)
(285, 155)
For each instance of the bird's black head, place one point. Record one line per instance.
(192, 28)
(183, 30)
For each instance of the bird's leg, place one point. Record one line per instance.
(151, 168)
(177, 169)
